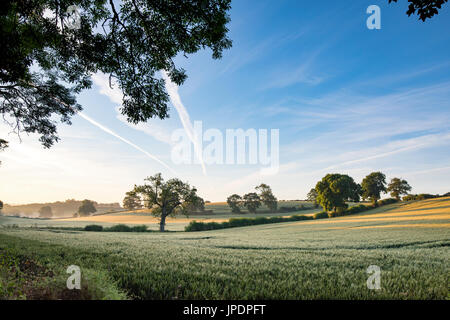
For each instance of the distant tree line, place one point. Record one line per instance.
(59, 208)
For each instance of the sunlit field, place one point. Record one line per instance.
(321, 259)
(220, 212)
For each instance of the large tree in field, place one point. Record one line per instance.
(373, 185)
(235, 203)
(50, 49)
(397, 187)
(425, 8)
(335, 189)
(45, 212)
(1, 206)
(167, 198)
(132, 201)
(87, 207)
(251, 201)
(267, 197)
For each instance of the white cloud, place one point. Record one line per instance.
(172, 89)
(115, 95)
(109, 131)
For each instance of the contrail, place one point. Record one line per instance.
(107, 130)
(172, 89)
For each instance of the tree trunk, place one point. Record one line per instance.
(162, 223)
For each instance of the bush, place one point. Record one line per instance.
(338, 213)
(288, 209)
(125, 228)
(387, 201)
(422, 196)
(119, 228)
(300, 218)
(320, 215)
(93, 227)
(240, 222)
(141, 228)
(357, 209)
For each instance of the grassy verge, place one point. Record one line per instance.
(23, 277)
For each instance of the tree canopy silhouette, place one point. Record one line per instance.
(425, 8)
(45, 61)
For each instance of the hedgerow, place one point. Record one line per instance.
(241, 222)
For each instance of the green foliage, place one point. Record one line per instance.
(235, 203)
(340, 211)
(241, 222)
(132, 201)
(126, 228)
(45, 212)
(335, 189)
(168, 198)
(320, 215)
(387, 201)
(87, 207)
(43, 65)
(93, 227)
(252, 202)
(23, 277)
(425, 8)
(267, 197)
(312, 196)
(422, 196)
(284, 209)
(358, 209)
(116, 228)
(373, 185)
(397, 187)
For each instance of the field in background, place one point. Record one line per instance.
(221, 212)
(320, 259)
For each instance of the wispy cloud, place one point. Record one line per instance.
(391, 149)
(241, 59)
(109, 131)
(301, 74)
(114, 94)
(156, 131)
(172, 89)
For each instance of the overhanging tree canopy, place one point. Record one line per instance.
(44, 63)
(425, 8)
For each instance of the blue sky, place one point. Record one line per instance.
(345, 99)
